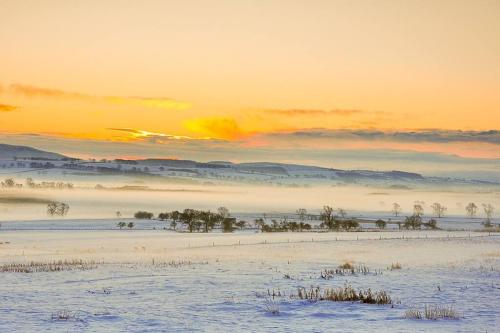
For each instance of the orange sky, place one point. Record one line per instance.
(238, 70)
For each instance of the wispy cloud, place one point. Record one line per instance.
(7, 108)
(315, 112)
(29, 91)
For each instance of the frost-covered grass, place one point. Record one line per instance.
(52, 266)
(151, 281)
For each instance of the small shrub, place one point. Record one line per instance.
(143, 215)
(381, 224)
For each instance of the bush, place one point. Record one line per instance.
(227, 224)
(432, 224)
(381, 224)
(413, 222)
(143, 215)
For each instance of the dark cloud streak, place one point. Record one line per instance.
(431, 135)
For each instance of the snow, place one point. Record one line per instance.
(225, 285)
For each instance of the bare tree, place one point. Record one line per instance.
(488, 211)
(302, 214)
(471, 209)
(328, 218)
(342, 212)
(223, 212)
(9, 182)
(57, 208)
(396, 209)
(418, 209)
(29, 182)
(438, 209)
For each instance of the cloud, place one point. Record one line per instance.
(216, 127)
(425, 135)
(141, 134)
(31, 91)
(153, 102)
(7, 108)
(315, 112)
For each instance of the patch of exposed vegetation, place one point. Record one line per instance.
(395, 265)
(343, 294)
(433, 312)
(345, 269)
(66, 315)
(54, 266)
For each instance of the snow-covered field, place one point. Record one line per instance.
(162, 281)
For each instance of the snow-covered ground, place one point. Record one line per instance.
(222, 281)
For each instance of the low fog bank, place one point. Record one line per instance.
(31, 204)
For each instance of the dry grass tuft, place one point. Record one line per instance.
(396, 265)
(341, 270)
(272, 307)
(433, 312)
(344, 294)
(413, 314)
(346, 265)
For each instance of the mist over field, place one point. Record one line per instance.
(357, 200)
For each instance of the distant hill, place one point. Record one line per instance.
(225, 171)
(10, 151)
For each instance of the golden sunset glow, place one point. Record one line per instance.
(248, 73)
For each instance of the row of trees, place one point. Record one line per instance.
(331, 221)
(439, 209)
(415, 222)
(197, 220)
(283, 225)
(30, 183)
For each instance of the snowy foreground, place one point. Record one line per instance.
(161, 281)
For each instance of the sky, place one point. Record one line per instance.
(337, 83)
